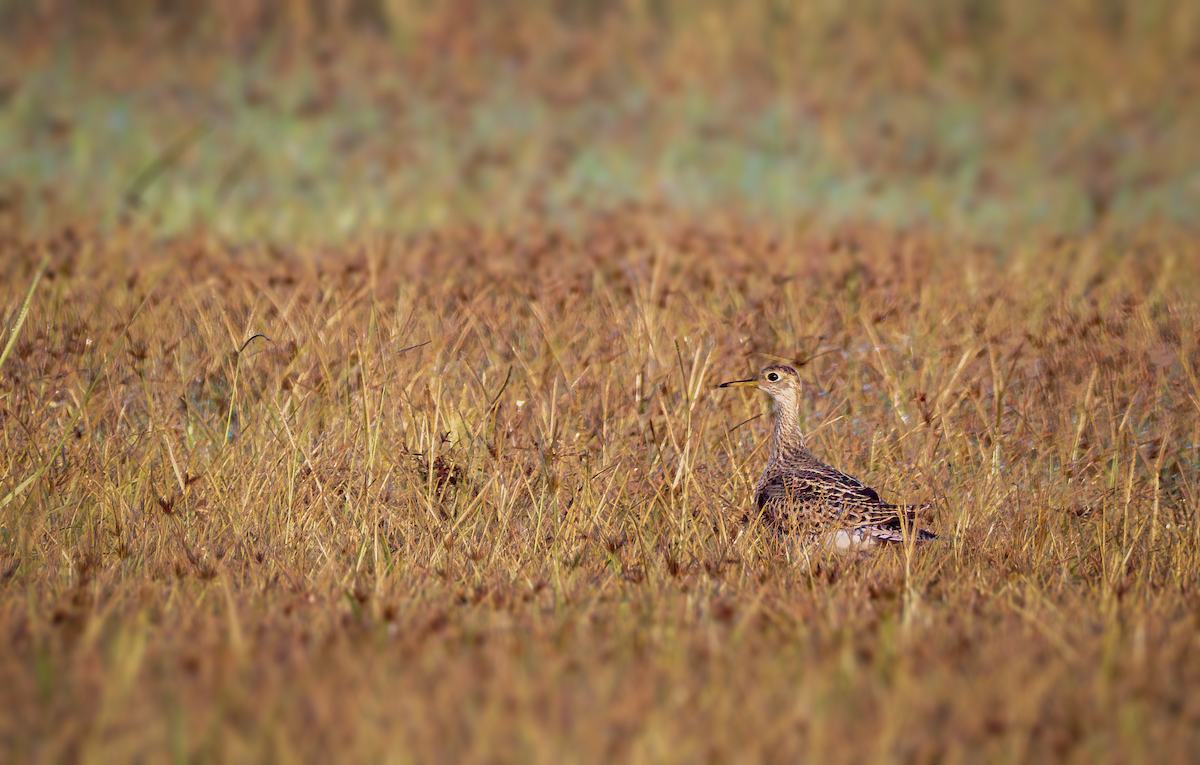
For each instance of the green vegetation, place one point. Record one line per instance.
(531, 113)
(373, 420)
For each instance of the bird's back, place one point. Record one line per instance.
(800, 494)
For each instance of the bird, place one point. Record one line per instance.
(800, 494)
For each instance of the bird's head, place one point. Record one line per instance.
(778, 381)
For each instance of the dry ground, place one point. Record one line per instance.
(283, 480)
(470, 498)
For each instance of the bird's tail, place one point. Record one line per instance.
(893, 531)
(896, 534)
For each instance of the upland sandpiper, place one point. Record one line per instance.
(800, 495)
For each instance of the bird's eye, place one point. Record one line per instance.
(773, 377)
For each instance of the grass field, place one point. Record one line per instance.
(306, 456)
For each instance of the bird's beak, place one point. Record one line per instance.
(752, 383)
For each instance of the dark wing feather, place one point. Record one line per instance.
(818, 495)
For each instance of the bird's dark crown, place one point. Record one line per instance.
(780, 370)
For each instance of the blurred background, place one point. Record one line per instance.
(993, 119)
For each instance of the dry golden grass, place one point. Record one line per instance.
(469, 495)
(471, 498)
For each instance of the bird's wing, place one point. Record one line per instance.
(820, 494)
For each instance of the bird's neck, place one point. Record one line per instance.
(788, 438)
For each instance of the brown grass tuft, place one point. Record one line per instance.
(483, 508)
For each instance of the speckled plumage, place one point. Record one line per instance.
(799, 494)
